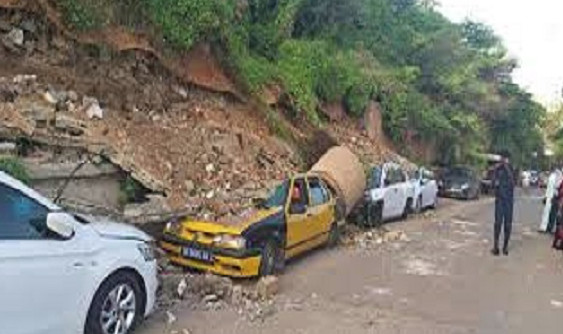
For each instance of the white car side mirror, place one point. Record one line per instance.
(61, 223)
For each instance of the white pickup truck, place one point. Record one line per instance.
(389, 194)
(425, 189)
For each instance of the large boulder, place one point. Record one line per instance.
(344, 172)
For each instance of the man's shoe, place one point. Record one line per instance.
(505, 252)
(495, 252)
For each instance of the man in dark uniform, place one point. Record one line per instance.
(504, 202)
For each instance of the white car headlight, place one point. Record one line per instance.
(147, 250)
(229, 241)
(465, 186)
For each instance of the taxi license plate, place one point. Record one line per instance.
(197, 254)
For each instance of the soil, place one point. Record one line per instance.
(210, 153)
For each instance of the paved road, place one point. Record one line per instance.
(443, 280)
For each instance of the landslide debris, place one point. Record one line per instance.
(209, 154)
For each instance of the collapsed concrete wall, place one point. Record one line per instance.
(95, 186)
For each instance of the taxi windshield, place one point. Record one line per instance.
(278, 196)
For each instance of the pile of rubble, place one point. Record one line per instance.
(253, 301)
(209, 159)
(355, 237)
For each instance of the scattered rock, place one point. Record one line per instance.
(15, 36)
(190, 186)
(180, 91)
(50, 98)
(267, 287)
(92, 108)
(212, 298)
(29, 26)
(237, 295)
(170, 318)
(182, 286)
(210, 168)
(72, 96)
(556, 304)
(69, 125)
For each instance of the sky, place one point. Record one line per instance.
(532, 31)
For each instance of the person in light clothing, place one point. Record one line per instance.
(550, 209)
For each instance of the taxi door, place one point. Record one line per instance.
(321, 209)
(300, 228)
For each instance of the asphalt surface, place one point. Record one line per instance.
(444, 280)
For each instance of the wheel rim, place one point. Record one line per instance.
(118, 310)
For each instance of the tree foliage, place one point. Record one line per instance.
(450, 84)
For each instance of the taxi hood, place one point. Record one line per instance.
(232, 224)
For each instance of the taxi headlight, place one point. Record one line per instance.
(229, 241)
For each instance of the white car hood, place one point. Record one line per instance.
(112, 230)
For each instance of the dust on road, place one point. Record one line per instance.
(443, 280)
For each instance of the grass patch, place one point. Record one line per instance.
(15, 168)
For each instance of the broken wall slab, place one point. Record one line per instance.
(92, 185)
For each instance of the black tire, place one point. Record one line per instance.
(435, 203)
(378, 215)
(418, 207)
(407, 209)
(271, 260)
(374, 214)
(333, 236)
(120, 278)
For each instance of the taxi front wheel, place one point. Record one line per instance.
(272, 259)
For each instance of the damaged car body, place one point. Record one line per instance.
(298, 216)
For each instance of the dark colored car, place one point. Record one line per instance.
(460, 182)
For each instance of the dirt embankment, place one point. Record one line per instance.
(210, 153)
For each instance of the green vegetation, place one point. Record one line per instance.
(132, 191)
(15, 168)
(437, 82)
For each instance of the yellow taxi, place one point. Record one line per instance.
(299, 215)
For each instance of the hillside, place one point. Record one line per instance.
(208, 101)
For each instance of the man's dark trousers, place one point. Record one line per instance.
(503, 218)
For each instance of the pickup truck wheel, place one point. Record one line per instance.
(333, 236)
(375, 214)
(407, 208)
(418, 206)
(270, 259)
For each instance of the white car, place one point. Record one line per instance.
(62, 274)
(389, 194)
(425, 190)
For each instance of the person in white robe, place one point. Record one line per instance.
(553, 183)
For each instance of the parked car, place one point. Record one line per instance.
(298, 216)
(460, 182)
(425, 189)
(534, 178)
(63, 273)
(390, 194)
